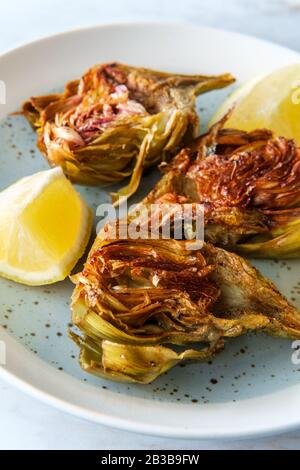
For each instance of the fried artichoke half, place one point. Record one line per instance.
(118, 120)
(143, 306)
(249, 184)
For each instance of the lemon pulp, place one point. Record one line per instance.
(44, 228)
(271, 102)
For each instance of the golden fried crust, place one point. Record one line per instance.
(118, 120)
(249, 185)
(134, 296)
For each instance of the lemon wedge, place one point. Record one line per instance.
(45, 226)
(271, 102)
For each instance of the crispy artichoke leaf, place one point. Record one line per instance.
(282, 242)
(153, 292)
(133, 296)
(118, 120)
(249, 184)
(249, 297)
(140, 364)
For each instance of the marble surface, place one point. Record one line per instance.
(24, 422)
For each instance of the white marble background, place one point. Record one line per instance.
(24, 422)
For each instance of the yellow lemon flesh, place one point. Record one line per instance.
(271, 102)
(45, 226)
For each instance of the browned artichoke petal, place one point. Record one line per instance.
(136, 295)
(143, 117)
(249, 184)
(279, 243)
(141, 364)
(249, 299)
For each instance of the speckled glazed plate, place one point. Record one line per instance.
(253, 387)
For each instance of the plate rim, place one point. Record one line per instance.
(102, 418)
(119, 24)
(132, 425)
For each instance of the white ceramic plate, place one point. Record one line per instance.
(253, 387)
